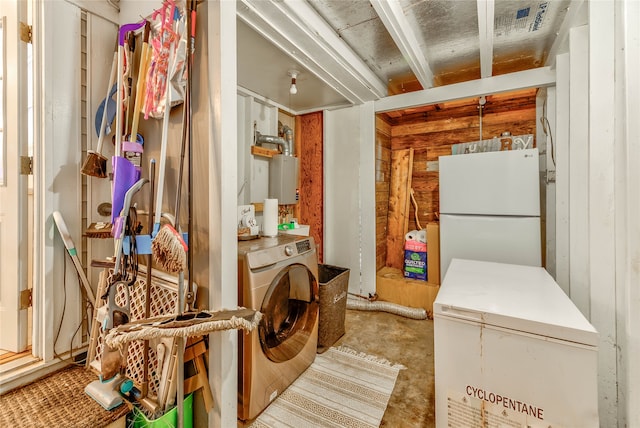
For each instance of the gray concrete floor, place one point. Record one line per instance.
(405, 341)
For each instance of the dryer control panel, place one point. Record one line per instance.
(303, 246)
(268, 251)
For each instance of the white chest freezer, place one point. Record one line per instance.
(511, 350)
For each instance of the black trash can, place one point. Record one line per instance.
(333, 285)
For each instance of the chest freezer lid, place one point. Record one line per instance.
(516, 297)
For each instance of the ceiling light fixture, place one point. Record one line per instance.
(293, 89)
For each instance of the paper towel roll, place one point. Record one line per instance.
(270, 217)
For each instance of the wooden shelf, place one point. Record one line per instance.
(261, 151)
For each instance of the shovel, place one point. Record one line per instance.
(95, 164)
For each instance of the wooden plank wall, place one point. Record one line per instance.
(432, 130)
(383, 173)
(398, 219)
(308, 143)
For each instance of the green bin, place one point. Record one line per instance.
(168, 420)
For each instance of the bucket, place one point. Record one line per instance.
(168, 420)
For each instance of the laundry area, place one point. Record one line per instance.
(319, 213)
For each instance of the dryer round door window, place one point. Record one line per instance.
(290, 312)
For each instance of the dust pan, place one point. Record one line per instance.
(95, 165)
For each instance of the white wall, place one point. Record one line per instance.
(561, 144)
(601, 194)
(222, 162)
(598, 206)
(349, 194)
(57, 187)
(578, 150)
(627, 209)
(265, 118)
(254, 113)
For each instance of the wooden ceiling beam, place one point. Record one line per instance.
(396, 23)
(535, 78)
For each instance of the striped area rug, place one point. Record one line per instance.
(342, 388)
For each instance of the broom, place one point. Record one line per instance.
(95, 164)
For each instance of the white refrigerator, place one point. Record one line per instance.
(490, 207)
(511, 350)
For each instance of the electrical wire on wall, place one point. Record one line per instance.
(546, 128)
(64, 307)
(87, 307)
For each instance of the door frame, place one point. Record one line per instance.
(14, 191)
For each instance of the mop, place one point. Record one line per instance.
(187, 324)
(168, 247)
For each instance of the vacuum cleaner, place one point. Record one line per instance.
(109, 393)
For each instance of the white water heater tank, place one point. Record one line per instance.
(283, 179)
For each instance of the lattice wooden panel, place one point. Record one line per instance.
(163, 295)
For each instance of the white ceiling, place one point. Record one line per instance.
(263, 69)
(351, 51)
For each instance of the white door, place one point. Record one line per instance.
(13, 185)
(491, 183)
(514, 240)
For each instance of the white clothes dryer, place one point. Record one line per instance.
(277, 276)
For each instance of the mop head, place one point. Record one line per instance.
(188, 324)
(169, 250)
